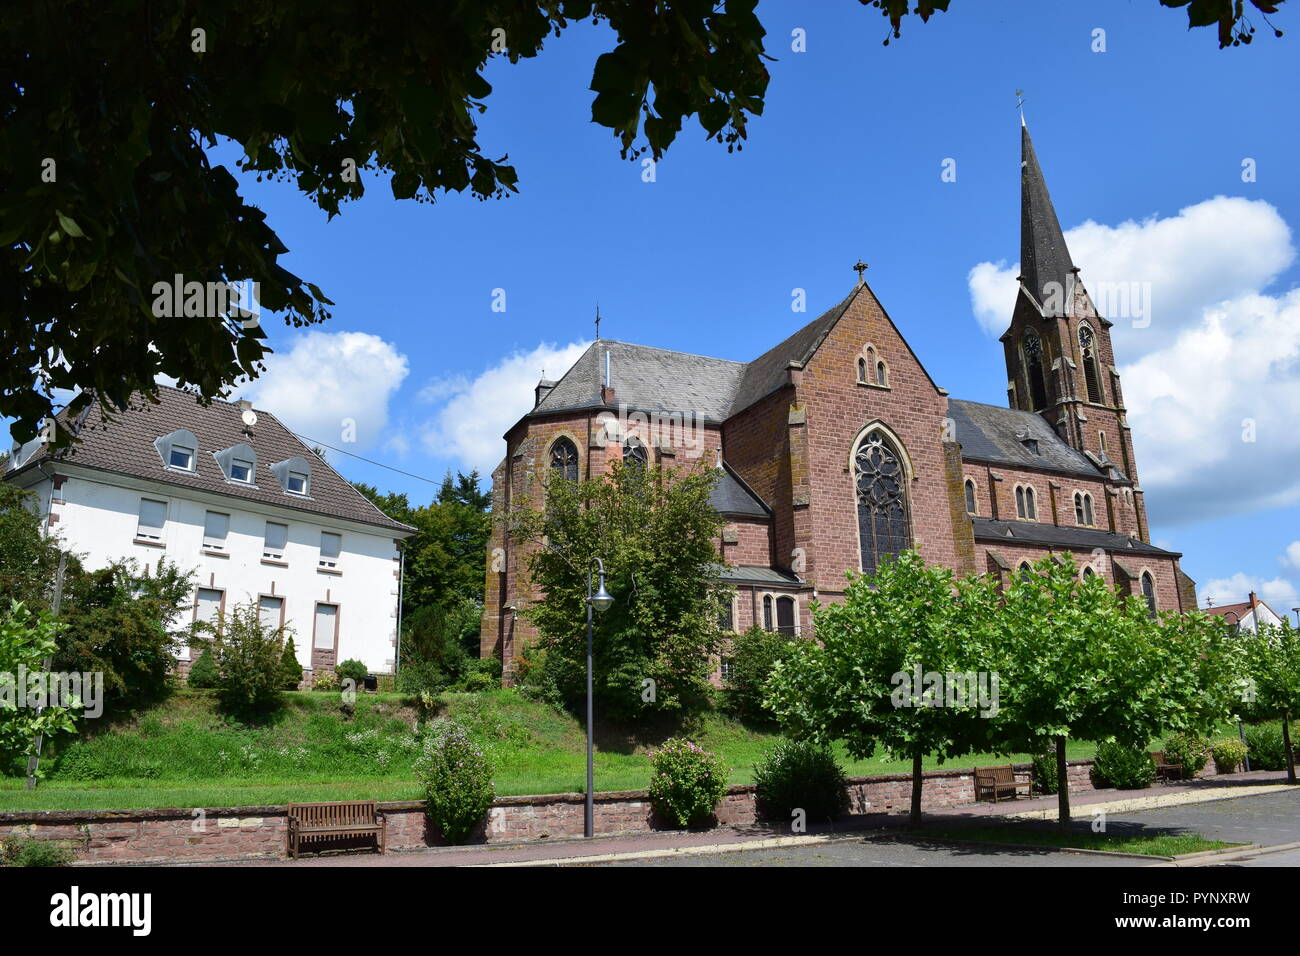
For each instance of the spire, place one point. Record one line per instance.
(1044, 258)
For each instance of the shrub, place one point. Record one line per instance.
(78, 763)
(1124, 767)
(1266, 746)
(1229, 754)
(1045, 773)
(354, 671)
(752, 657)
(248, 664)
(457, 780)
(28, 851)
(324, 680)
(1190, 750)
(479, 680)
(535, 676)
(290, 669)
(203, 672)
(687, 782)
(796, 774)
(482, 673)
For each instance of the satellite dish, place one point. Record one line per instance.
(250, 417)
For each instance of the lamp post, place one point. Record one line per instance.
(600, 601)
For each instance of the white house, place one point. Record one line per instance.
(229, 492)
(1246, 616)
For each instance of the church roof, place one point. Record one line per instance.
(1010, 436)
(1060, 536)
(731, 496)
(1044, 257)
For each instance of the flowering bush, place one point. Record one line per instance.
(1190, 750)
(688, 782)
(1229, 754)
(457, 780)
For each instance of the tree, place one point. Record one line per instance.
(1078, 661)
(28, 558)
(1272, 672)
(895, 663)
(654, 529)
(107, 190)
(753, 656)
(248, 657)
(27, 639)
(290, 669)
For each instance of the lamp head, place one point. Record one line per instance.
(602, 599)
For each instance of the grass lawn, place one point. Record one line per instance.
(183, 753)
(1157, 844)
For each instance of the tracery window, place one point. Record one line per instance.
(880, 479)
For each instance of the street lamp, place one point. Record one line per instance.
(601, 601)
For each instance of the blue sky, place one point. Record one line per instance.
(845, 163)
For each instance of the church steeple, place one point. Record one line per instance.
(1045, 264)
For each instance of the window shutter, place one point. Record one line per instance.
(215, 528)
(326, 622)
(153, 517)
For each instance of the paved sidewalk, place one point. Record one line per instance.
(659, 843)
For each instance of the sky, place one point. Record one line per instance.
(1171, 164)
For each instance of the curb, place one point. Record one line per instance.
(1155, 802)
(770, 843)
(1231, 855)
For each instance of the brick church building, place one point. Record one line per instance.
(836, 447)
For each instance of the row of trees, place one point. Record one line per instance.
(920, 663)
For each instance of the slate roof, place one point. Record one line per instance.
(753, 574)
(1044, 257)
(731, 496)
(125, 446)
(1076, 539)
(994, 434)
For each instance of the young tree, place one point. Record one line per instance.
(1272, 672)
(248, 663)
(27, 557)
(655, 531)
(886, 665)
(290, 669)
(27, 639)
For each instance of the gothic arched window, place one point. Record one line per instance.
(882, 500)
(767, 612)
(882, 376)
(1087, 511)
(564, 460)
(785, 613)
(1026, 572)
(970, 497)
(1091, 375)
(862, 371)
(1149, 592)
(634, 454)
(1033, 349)
(1026, 507)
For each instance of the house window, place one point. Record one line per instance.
(725, 667)
(862, 371)
(564, 460)
(181, 457)
(726, 620)
(215, 528)
(327, 620)
(277, 536)
(882, 500)
(207, 610)
(330, 545)
(970, 497)
(882, 377)
(270, 612)
(1149, 592)
(241, 470)
(296, 483)
(153, 518)
(785, 615)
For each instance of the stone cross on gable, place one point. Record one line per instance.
(860, 268)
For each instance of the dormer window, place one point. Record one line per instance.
(294, 475)
(238, 463)
(181, 457)
(1032, 445)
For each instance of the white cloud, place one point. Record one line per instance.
(1278, 593)
(1291, 558)
(475, 413)
(328, 379)
(1218, 359)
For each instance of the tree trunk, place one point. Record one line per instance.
(914, 820)
(1062, 787)
(1286, 739)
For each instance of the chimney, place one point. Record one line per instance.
(543, 389)
(1254, 602)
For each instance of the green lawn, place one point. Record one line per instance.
(1163, 844)
(183, 753)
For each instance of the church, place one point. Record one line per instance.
(835, 448)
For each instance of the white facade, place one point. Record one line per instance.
(335, 607)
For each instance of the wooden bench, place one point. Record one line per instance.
(994, 782)
(1166, 771)
(316, 821)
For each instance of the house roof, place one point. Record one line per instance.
(1239, 610)
(125, 446)
(1058, 536)
(994, 434)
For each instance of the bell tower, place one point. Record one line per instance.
(1060, 363)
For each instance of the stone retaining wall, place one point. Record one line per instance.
(231, 833)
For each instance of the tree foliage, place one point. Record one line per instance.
(27, 639)
(28, 558)
(1272, 679)
(654, 529)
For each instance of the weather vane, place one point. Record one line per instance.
(597, 321)
(1020, 105)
